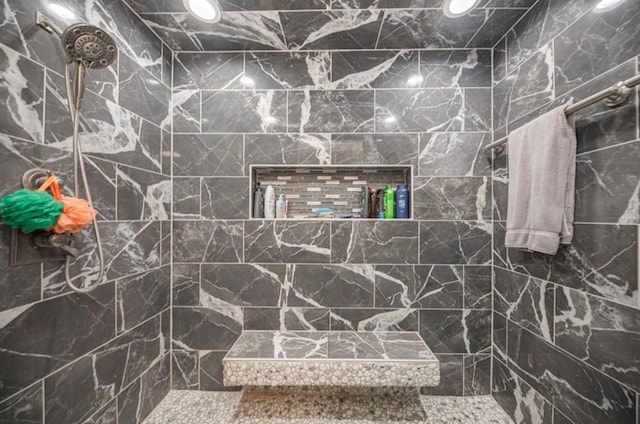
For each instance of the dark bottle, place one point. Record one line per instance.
(373, 202)
(380, 203)
(257, 202)
(364, 202)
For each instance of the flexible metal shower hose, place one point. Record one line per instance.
(78, 163)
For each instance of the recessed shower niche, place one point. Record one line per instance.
(339, 188)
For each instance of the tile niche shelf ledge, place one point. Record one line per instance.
(309, 187)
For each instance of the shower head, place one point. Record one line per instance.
(89, 45)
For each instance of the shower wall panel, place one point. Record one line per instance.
(567, 327)
(68, 357)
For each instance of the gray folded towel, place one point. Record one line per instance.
(542, 174)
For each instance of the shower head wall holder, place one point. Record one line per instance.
(47, 24)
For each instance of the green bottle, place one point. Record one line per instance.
(389, 206)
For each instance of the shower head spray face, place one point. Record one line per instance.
(89, 45)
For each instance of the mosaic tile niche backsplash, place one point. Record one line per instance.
(567, 328)
(308, 189)
(429, 274)
(103, 356)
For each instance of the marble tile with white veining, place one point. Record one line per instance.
(375, 69)
(22, 94)
(455, 68)
(517, 398)
(143, 195)
(211, 370)
(405, 29)
(455, 330)
(25, 407)
(142, 397)
(602, 333)
(244, 284)
(477, 375)
(287, 242)
(348, 29)
(207, 241)
(451, 377)
(583, 52)
(455, 242)
(454, 154)
(541, 24)
(418, 286)
(208, 71)
(368, 319)
(142, 93)
(187, 106)
(452, 198)
(258, 111)
(141, 297)
(186, 198)
(581, 393)
(185, 368)
(207, 155)
(331, 111)
(608, 185)
(528, 88)
(525, 300)
(378, 346)
(185, 284)
(496, 23)
(374, 149)
(423, 110)
(206, 328)
(83, 322)
(287, 70)
(225, 198)
(374, 242)
(77, 391)
(289, 149)
(329, 285)
(280, 345)
(129, 248)
(286, 319)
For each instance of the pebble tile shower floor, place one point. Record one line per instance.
(191, 407)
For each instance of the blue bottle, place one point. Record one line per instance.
(402, 202)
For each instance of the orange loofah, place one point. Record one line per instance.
(76, 215)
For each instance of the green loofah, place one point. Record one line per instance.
(28, 210)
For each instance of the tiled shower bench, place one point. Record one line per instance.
(331, 358)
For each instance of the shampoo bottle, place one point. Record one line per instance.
(388, 202)
(257, 202)
(402, 202)
(269, 203)
(281, 207)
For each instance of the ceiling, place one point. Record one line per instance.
(330, 24)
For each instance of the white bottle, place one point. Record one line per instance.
(270, 203)
(281, 207)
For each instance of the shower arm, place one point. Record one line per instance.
(47, 24)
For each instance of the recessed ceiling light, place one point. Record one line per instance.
(606, 5)
(414, 80)
(206, 10)
(457, 8)
(390, 119)
(248, 82)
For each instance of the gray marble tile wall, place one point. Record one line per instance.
(65, 357)
(566, 329)
(426, 108)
